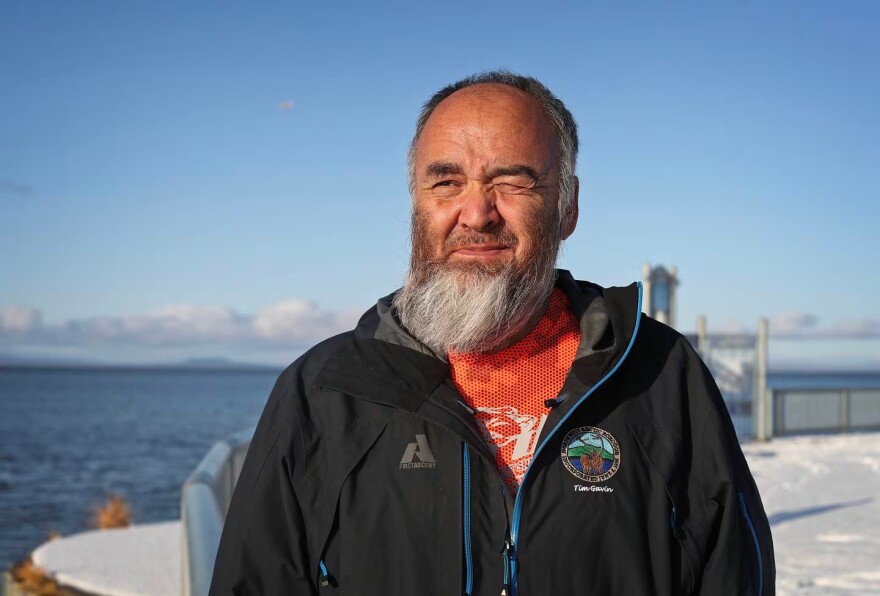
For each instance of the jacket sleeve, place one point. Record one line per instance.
(738, 545)
(263, 545)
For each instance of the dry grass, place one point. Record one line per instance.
(33, 580)
(116, 513)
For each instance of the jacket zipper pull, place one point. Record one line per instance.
(325, 576)
(507, 557)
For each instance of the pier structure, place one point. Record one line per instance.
(808, 401)
(738, 361)
(660, 293)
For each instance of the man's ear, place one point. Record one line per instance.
(570, 217)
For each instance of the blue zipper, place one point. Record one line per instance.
(325, 575)
(507, 589)
(469, 576)
(517, 505)
(745, 510)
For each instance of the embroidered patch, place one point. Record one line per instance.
(591, 454)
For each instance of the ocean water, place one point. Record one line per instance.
(69, 438)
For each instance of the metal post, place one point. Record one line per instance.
(762, 409)
(777, 398)
(702, 336)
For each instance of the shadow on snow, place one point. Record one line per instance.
(785, 516)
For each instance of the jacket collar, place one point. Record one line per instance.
(382, 362)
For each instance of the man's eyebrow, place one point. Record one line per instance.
(514, 170)
(439, 169)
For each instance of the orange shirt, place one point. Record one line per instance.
(507, 389)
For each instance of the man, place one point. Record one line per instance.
(496, 427)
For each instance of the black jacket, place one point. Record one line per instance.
(367, 475)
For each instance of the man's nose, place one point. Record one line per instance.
(478, 211)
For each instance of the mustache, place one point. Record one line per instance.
(464, 238)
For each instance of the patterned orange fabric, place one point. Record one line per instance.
(507, 389)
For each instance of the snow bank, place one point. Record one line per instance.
(822, 495)
(141, 560)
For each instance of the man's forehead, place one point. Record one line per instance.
(487, 92)
(491, 121)
(487, 101)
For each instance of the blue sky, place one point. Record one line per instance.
(227, 179)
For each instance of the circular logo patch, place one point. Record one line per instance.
(591, 454)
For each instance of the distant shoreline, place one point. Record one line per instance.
(268, 368)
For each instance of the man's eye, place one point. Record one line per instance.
(509, 187)
(511, 184)
(444, 183)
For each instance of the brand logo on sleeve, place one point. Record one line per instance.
(418, 455)
(591, 454)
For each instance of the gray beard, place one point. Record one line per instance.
(475, 309)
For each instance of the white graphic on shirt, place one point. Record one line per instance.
(503, 426)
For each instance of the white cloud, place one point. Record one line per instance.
(731, 325)
(19, 319)
(171, 325)
(296, 319)
(806, 325)
(793, 323)
(291, 323)
(859, 328)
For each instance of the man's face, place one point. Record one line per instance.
(487, 181)
(486, 228)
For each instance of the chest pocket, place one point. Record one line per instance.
(335, 462)
(401, 488)
(669, 461)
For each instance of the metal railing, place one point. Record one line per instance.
(738, 363)
(825, 410)
(203, 505)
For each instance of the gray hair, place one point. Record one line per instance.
(563, 123)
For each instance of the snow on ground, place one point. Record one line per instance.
(822, 496)
(141, 560)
